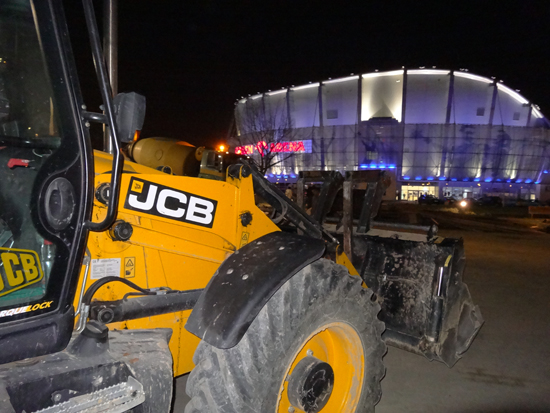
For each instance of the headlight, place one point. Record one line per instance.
(463, 204)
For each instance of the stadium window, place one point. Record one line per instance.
(480, 112)
(332, 114)
(516, 115)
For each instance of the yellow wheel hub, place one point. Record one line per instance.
(338, 345)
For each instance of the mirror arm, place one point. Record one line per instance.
(94, 117)
(106, 94)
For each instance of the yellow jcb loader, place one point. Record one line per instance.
(116, 276)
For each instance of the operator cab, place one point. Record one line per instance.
(43, 181)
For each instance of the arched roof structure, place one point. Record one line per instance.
(428, 124)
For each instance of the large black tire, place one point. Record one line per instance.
(247, 378)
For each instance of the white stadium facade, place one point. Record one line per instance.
(442, 132)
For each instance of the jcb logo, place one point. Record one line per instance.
(19, 268)
(170, 203)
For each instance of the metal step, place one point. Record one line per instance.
(115, 399)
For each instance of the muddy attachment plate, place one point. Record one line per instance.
(426, 307)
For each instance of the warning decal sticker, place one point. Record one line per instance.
(244, 239)
(106, 267)
(129, 267)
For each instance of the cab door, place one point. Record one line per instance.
(45, 172)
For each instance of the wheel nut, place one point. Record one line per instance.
(291, 409)
(309, 353)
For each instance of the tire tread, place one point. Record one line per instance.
(236, 380)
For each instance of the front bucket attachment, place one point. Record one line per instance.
(426, 307)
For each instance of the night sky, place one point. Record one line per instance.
(193, 59)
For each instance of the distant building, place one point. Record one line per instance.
(441, 132)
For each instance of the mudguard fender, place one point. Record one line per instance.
(245, 282)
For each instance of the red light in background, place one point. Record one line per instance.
(279, 147)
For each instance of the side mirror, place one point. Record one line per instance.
(130, 114)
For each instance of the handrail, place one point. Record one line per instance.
(106, 94)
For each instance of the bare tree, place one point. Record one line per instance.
(264, 132)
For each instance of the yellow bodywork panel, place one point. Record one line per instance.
(343, 259)
(183, 228)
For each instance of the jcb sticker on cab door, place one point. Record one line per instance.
(19, 269)
(166, 202)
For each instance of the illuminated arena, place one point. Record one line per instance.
(439, 132)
